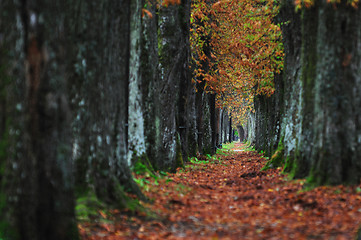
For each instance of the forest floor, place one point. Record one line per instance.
(227, 197)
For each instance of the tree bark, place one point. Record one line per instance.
(150, 86)
(320, 130)
(136, 138)
(100, 73)
(39, 186)
(335, 157)
(174, 86)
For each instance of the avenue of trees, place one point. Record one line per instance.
(312, 122)
(89, 89)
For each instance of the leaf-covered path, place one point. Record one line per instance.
(227, 197)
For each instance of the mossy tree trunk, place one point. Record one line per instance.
(302, 66)
(278, 118)
(136, 138)
(321, 122)
(175, 88)
(150, 86)
(323, 144)
(249, 129)
(241, 133)
(336, 155)
(268, 118)
(186, 115)
(100, 73)
(291, 89)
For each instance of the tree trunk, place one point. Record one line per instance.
(186, 101)
(12, 92)
(136, 143)
(320, 131)
(250, 129)
(175, 79)
(230, 130)
(100, 71)
(150, 86)
(268, 119)
(336, 126)
(208, 136)
(40, 203)
(201, 115)
(214, 119)
(241, 133)
(301, 60)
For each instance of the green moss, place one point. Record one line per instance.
(132, 205)
(248, 146)
(288, 165)
(291, 167)
(142, 165)
(88, 206)
(195, 160)
(277, 159)
(226, 149)
(315, 179)
(228, 146)
(179, 157)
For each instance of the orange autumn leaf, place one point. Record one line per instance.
(145, 11)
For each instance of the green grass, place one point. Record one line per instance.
(228, 146)
(226, 149)
(195, 160)
(249, 147)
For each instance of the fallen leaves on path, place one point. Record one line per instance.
(229, 198)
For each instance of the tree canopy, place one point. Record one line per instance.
(246, 50)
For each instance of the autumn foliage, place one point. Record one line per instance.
(309, 3)
(244, 50)
(158, 4)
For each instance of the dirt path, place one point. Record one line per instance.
(227, 197)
